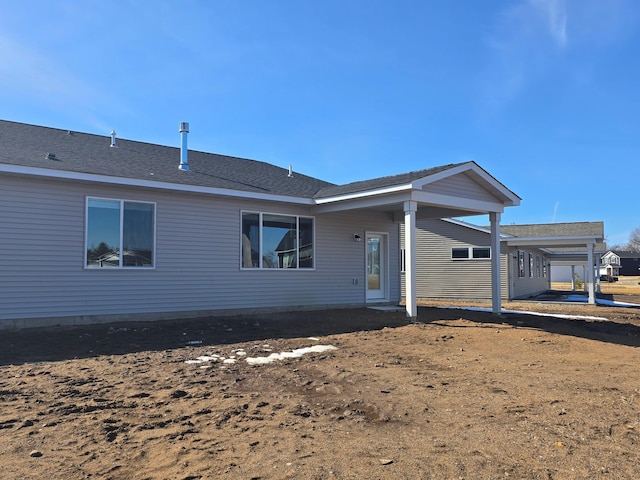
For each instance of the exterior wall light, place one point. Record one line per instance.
(356, 237)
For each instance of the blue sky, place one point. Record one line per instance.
(543, 94)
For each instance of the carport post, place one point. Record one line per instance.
(598, 289)
(496, 301)
(592, 297)
(410, 209)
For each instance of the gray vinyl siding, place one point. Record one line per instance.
(197, 266)
(438, 276)
(463, 186)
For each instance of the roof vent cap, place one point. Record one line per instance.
(51, 156)
(113, 139)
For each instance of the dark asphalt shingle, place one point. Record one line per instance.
(28, 145)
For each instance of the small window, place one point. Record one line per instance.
(120, 234)
(465, 253)
(530, 265)
(458, 253)
(481, 252)
(271, 241)
(520, 264)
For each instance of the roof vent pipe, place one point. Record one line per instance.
(184, 158)
(113, 139)
(290, 171)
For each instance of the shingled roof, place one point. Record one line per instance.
(568, 229)
(28, 146)
(381, 182)
(554, 229)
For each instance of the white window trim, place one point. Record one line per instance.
(470, 254)
(261, 268)
(122, 201)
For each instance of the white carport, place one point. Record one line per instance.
(458, 190)
(571, 250)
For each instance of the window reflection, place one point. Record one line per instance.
(276, 241)
(110, 222)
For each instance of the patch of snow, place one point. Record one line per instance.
(557, 315)
(299, 352)
(599, 301)
(206, 359)
(617, 304)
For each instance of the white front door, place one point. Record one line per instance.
(376, 266)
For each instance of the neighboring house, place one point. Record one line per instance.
(454, 257)
(98, 229)
(617, 263)
(610, 266)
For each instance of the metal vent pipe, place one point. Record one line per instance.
(184, 157)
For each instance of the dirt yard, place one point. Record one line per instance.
(460, 394)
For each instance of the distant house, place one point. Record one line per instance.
(99, 229)
(454, 257)
(617, 263)
(610, 266)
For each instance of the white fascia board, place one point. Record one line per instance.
(133, 182)
(559, 241)
(364, 194)
(513, 199)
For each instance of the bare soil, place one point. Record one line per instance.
(459, 394)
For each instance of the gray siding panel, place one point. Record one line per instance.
(197, 267)
(463, 186)
(438, 276)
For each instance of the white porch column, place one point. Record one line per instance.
(592, 297)
(598, 273)
(573, 278)
(410, 209)
(496, 294)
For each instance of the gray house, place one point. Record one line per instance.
(97, 229)
(454, 257)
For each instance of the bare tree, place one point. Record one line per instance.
(634, 240)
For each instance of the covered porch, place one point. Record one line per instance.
(459, 190)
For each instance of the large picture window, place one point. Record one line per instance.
(120, 234)
(271, 241)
